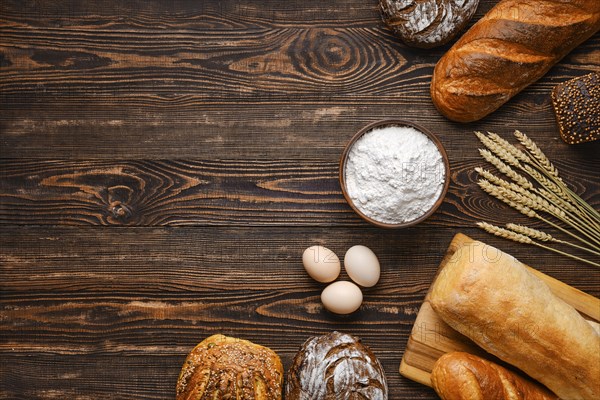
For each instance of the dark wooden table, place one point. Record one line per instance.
(164, 165)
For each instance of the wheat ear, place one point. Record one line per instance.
(537, 154)
(505, 233)
(505, 169)
(518, 154)
(532, 233)
(498, 150)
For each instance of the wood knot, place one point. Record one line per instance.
(119, 211)
(328, 54)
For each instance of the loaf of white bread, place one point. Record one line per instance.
(493, 299)
(509, 48)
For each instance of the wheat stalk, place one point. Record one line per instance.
(520, 238)
(553, 197)
(534, 202)
(541, 161)
(533, 196)
(509, 154)
(544, 237)
(561, 197)
(498, 193)
(558, 187)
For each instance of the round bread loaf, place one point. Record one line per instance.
(427, 23)
(222, 367)
(335, 366)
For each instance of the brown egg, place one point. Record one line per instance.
(342, 297)
(322, 264)
(362, 265)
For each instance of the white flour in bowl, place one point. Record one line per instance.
(394, 174)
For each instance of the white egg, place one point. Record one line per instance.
(322, 264)
(342, 297)
(362, 265)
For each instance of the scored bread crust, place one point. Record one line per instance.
(335, 366)
(492, 298)
(223, 367)
(464, 376)
(509, 48)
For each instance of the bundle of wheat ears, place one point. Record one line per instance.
(536, 190)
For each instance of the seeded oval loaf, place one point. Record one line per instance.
(427, 23)
(509, 48)
(577, 108)
(222, 367)
(335, 366)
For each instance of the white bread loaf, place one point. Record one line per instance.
(494, 300)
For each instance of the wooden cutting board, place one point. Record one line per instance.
(431, 337)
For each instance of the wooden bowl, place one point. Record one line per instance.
(394, 122)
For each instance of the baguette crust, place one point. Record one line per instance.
(463, 376)
(509, 48)
(490, 297)
(222, 367)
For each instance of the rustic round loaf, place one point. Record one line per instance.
(427, 23)
(222, 367)
(335, 366)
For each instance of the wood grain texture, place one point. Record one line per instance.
(164, 164)
(87, 304)
(140, 192)
(195, 80)
(175, 193)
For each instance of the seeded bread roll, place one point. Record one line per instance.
(427, 23)
(222, 367)
(463, 376)
(335, 366)
(509, 48)
(577, 108)
(493, 299)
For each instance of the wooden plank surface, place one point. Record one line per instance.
(431, 337)
(164, 164)
(225, 192)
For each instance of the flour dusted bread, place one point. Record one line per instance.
(509, 48)
(335, 366)
(427, 23)
(222, 367)
(464, 376)
(492, 298)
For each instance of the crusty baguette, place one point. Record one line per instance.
(492, 298)
(223, 367)
(463, 376)
(509, 48)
